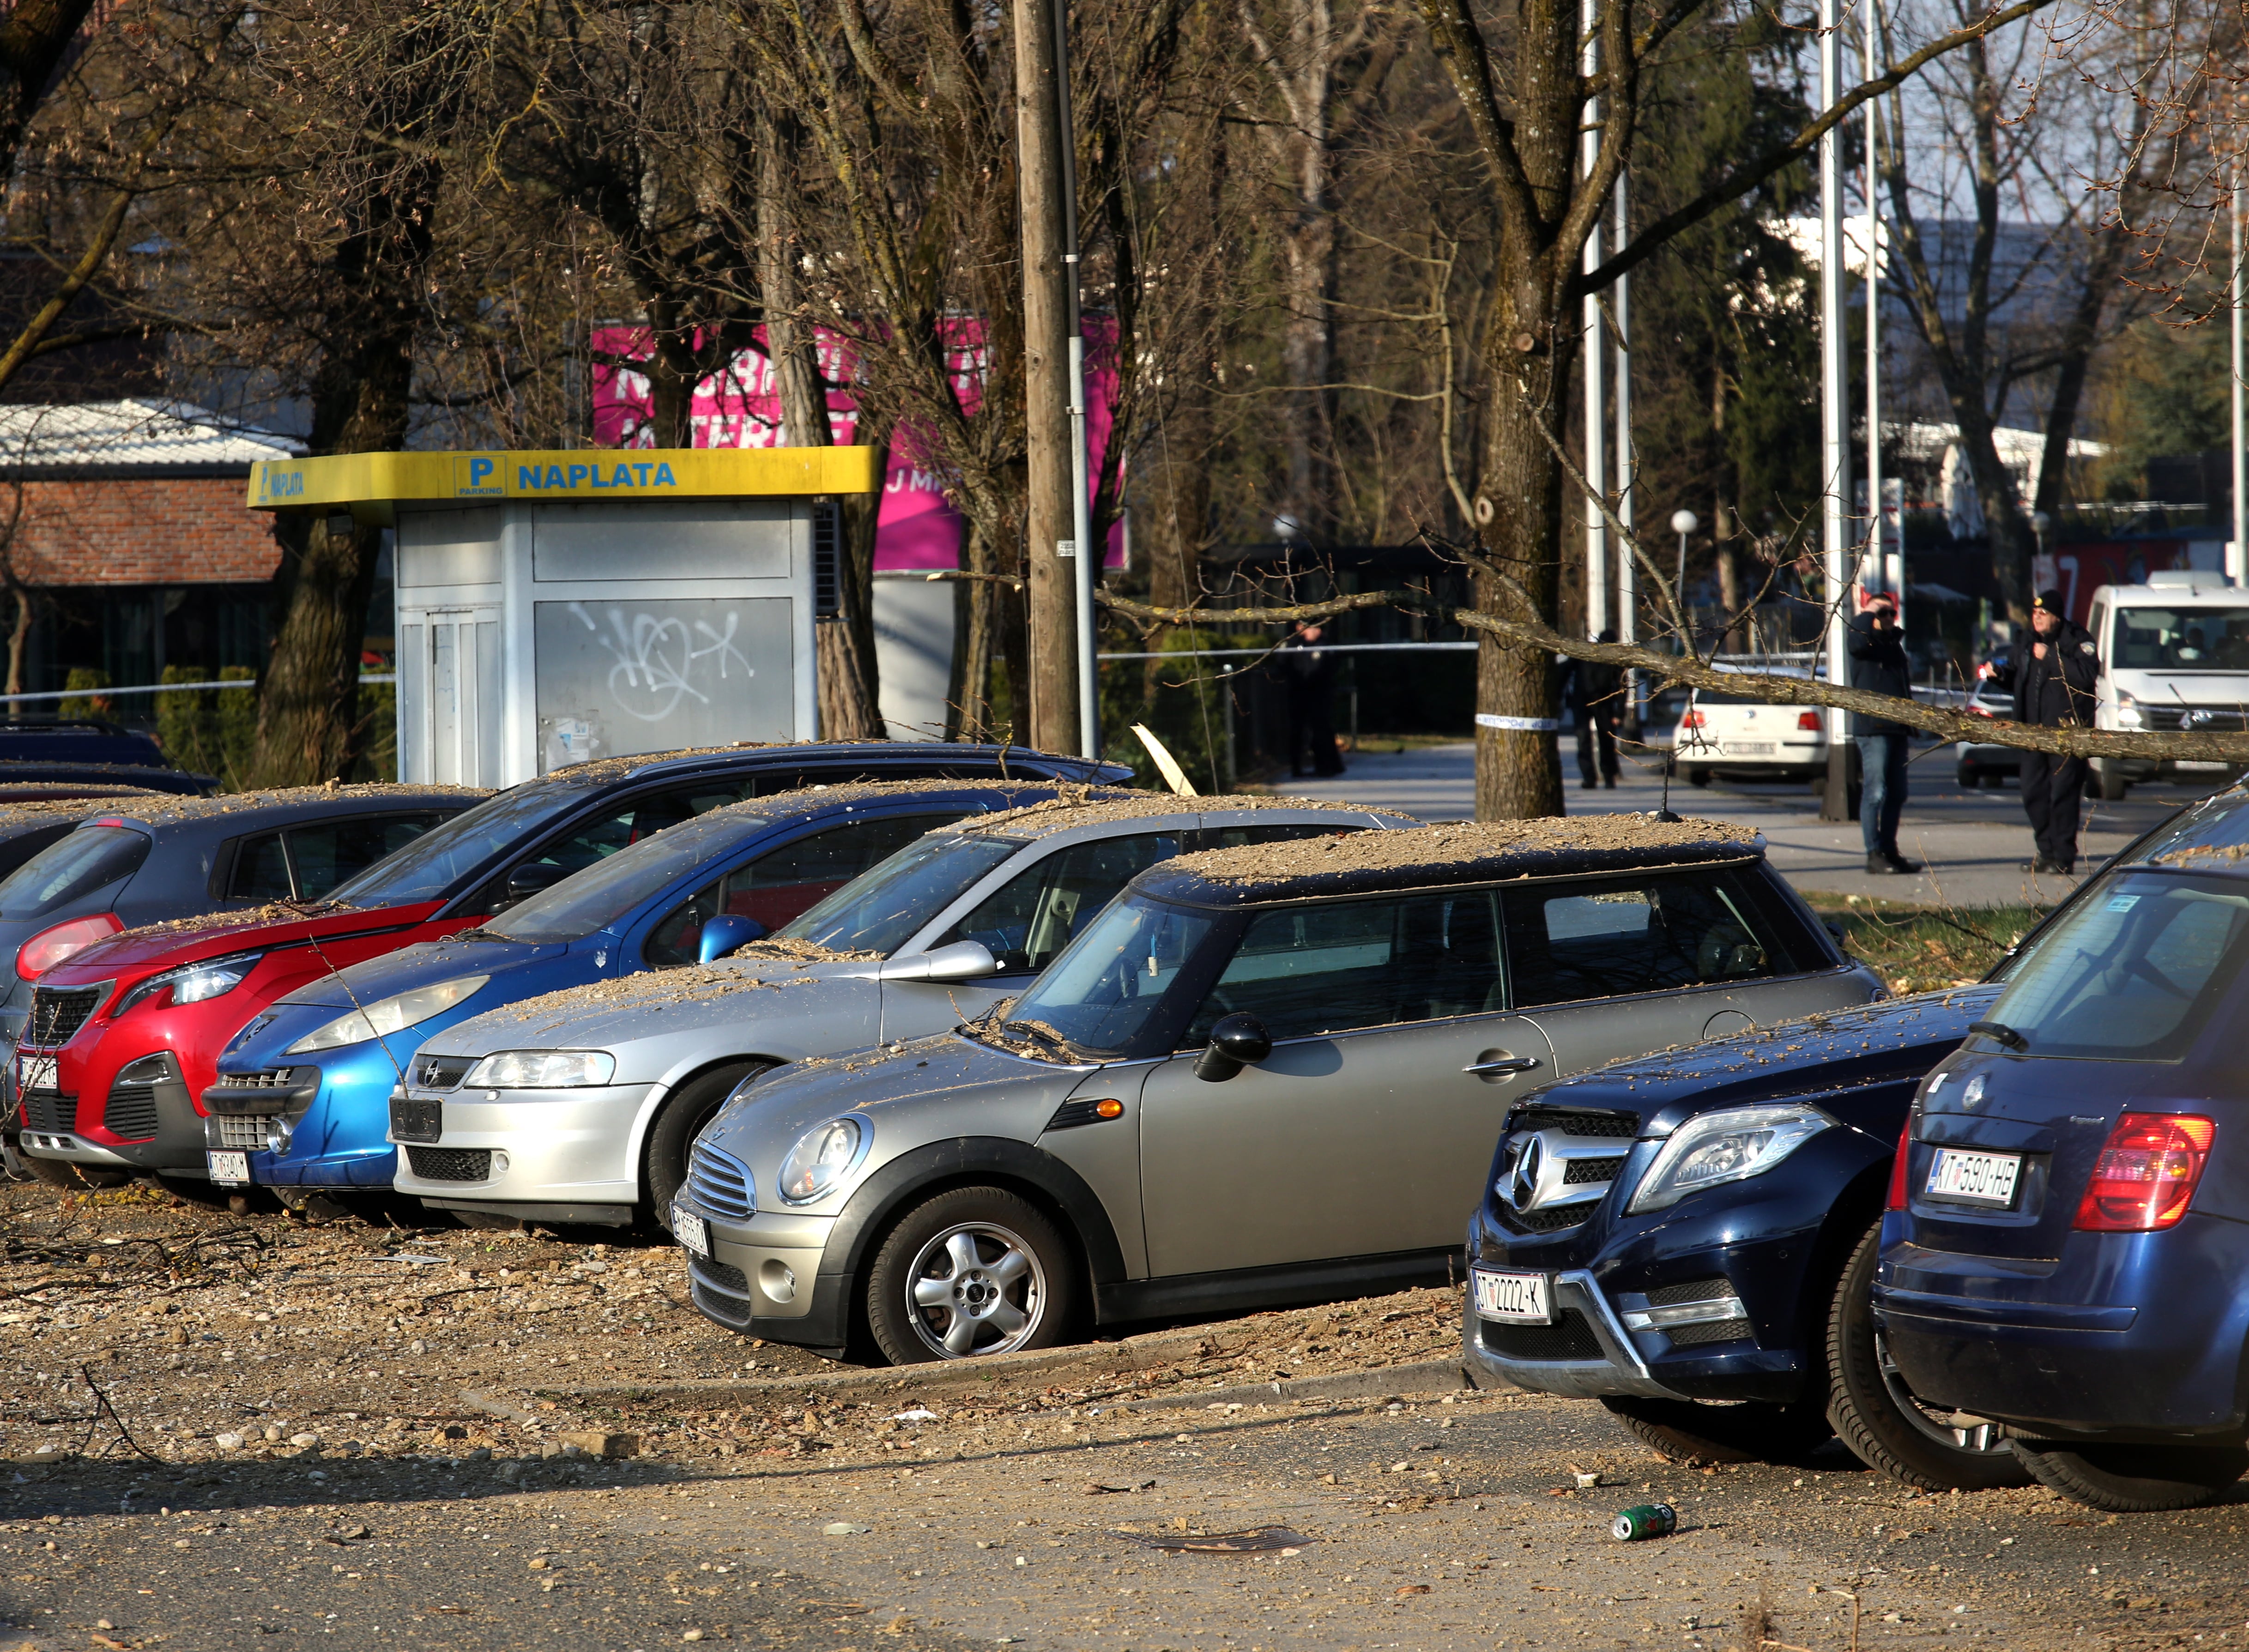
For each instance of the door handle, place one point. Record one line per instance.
(1503, 1064)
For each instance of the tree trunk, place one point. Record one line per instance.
(850, 693)
(19, 640)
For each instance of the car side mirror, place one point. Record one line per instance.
(531, 878)
(961, 961)
(725, 933)
(1236, 1042)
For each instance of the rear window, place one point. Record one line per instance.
(1611, 937)
(89, 859)
(2132, 972)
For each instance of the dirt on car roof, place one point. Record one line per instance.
(827, 796)
(13, 812)
(1496, 848)
(159, 809)
(1091, 806)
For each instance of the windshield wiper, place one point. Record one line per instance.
(2001, 1034)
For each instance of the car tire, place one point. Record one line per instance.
(672, 1138)
(1696, 777)
(2134, 1479)
(1020, 1257)
(1875, 1415)
(1703, 1434)
(1967, 778)
(2108, 782)
(72, 1177)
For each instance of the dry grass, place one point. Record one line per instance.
(1916, 949)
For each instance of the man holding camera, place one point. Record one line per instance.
(1879, 665)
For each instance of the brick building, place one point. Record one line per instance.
(126, 519)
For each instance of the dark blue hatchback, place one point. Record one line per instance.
(2069, 1225)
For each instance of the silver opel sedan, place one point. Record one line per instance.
(569, 1106)
(1263, 1075)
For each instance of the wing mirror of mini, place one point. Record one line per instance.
(726, 934)
(961, 961)
(1236, 1042)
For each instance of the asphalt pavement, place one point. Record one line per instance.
(1975, 845)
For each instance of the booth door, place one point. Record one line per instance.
(449, 698)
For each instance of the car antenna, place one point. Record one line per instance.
(314, 943)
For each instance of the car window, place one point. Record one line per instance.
(1109, 993)
(880, 909)
(2132, 973)
(787, 881)
(1033, 915)
(630, 821)
(1607, 937)
(89, 859)
(324, 854)
(1338, 966)
(436, 862)
(261, 870)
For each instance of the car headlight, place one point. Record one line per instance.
(1730, 1145)
(193, 983)
(2129, 715)
(380, 1020)
(821, 1158)
(541, 1070)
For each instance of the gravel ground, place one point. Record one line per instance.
(1081, 1504)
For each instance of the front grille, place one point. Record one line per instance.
(51, 1111)
(1688, 1336)
(451, 1164)
(267, 1078)
(2215, 719)
(1622, 1125)
(1569, 1337)
(724, 1276)
(1586, 1172)
(1670, 1296)
(416, 1119)
(441, 1072)
(130, 1113)
(1552, 1219)
(242, 1132)
(59, 1012)
(733, 1311)
(719, 1185)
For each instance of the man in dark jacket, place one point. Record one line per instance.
(2054, 689)
(1878, 665)
(1594, 694)
(1308, 671)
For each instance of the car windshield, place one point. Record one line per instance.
(70, 867)
(877, 910)
(428, 869)
(2182, 639)
(2134, 972)
(1100, 997)
(614, 887)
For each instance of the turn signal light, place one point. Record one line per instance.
(1108, 1108)
(1693, 720)
(2146, 1175)
(51, 947)
(1897, 1168)
(1808, 721)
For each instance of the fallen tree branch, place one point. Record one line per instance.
(1758, 685)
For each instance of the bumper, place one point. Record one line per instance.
(334, 1119)
(2063, 1347)
(572, 1150)
(1586, 1353)
(763, 1278)
(55, 1144)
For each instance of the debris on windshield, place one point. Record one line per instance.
(785, 947)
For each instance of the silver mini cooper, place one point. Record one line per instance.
(1264, 1075)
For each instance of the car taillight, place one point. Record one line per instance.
(1692, 720)
(2146, 1175)
(1808, 720)
(51, 947)
(1896, 1201)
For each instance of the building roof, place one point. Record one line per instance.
(130, 438)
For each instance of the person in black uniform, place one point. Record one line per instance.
(1594, 694)
(1308, 672)
(1879, 665)
(2054, 689)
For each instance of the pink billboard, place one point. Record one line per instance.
(739, 407)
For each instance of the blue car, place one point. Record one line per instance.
(1691, 1238)
(319, 1064)
(2068, 1228)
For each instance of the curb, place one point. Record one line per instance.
(1428, 1377)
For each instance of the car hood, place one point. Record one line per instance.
(658, 1005)
(422, 964)
(164, 946)
(1895, 1039)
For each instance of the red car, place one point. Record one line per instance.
(124, 1036)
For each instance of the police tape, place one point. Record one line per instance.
(1517, 725)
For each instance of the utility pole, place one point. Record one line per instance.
(1877, 521)
(1087, 569)
(1627, 459)
(2237, 554)
(1596, 342)
(1834, 420)
(1049, 549)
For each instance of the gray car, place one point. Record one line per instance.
(1262, 1075)
(935, 935)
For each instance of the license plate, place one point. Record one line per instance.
(691, 1230)
(1979, 1178)
(1517, 1297)
(1748, 748)
(230, 1170)
(34, 1072)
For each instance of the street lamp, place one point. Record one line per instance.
(1682, 523)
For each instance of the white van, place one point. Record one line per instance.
(2174, 654)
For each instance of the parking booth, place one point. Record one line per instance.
(556, 607)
